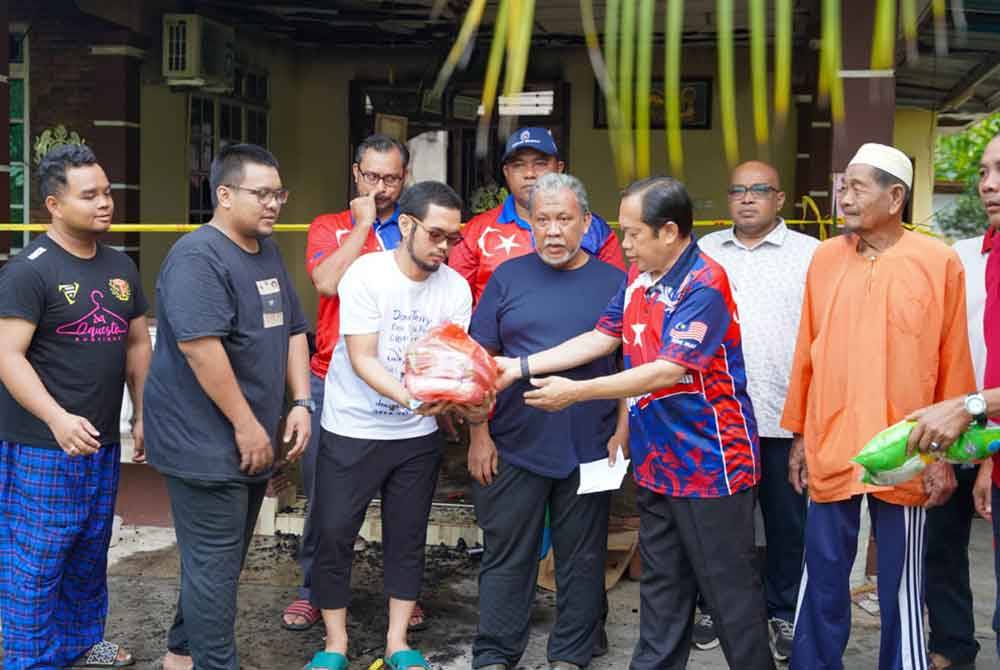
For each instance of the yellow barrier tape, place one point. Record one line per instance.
(304, 227)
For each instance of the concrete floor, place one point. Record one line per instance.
(144, 589)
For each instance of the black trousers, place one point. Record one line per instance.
(214, 523)
(699, 544)
(784, 513)
(349, 474)
(511, 512)
(949, 596)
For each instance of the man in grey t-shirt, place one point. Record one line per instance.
(230, 334)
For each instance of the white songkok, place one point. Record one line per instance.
(885, 158)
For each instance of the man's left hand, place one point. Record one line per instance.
(939, 483)
(618, 441)
(939, 425)
(552, 393)
(138, 442)
(298, 427)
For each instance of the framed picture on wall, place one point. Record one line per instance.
(392, 126)
(696, 105)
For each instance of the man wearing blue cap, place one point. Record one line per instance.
(503, 232)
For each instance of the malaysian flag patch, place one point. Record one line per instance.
(694, 331)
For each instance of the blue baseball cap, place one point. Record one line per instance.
(539, 139)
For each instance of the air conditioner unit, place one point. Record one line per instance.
(198, 53)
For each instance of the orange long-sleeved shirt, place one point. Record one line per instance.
(878, 339)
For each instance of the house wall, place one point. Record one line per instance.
(915, 134)
(310, 137)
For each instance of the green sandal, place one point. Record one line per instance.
(327, 660)
(408, 658)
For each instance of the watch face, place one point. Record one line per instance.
(975, 405)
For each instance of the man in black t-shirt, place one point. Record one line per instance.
(73, 327)
(527, 460)
(230, 335)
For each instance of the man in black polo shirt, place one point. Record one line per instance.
(231, 334)
(527, 459)
(73, 328)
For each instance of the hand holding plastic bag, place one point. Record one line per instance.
(448, 365)
(886, 462)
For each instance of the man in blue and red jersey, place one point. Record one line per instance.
(693, 436)
(334, 242)
(503, 232)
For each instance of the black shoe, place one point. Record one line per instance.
(703, 635)
(781, 634)
(601, 646)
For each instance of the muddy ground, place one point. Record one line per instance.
(143, 587)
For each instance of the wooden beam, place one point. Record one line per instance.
(966, 86)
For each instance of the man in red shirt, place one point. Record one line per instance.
(939, 425)
(335, 241)
(503, 232)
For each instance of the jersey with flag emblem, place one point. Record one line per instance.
(697, 438)
(499, 234)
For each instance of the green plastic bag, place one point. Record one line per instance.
(885, 462)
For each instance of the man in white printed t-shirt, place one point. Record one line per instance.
(372, 442)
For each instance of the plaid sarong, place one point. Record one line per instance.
(56, 515)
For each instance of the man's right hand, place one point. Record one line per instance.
(483, 459)
(75, 435)
(798, 473)
(363, 210)
(256, 449)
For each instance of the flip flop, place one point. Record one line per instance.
(304, 609)
(327, 660)
(104, 654)
(418, 612)
(407, 658)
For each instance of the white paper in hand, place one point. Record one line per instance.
(597, 476)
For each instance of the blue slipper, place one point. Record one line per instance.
(408, 658)
(327, 660)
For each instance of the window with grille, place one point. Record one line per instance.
(216, 121)
(20, 145)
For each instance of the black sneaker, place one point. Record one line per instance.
(703, 635)
(781, 633)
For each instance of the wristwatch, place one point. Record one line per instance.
(975, 404)
(308, 403)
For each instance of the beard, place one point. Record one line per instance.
(426, 266)
(562, 261)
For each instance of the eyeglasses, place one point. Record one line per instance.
(756, 191)
(373, 178)
(436, 235)
(264, 195)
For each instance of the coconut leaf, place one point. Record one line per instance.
(470, 24)
(644, 80)
(831, 86)
(908, 17)
(940, 12)
(491, 82)
(782, 62)
(672, 85)
(604, 81)
(884, 36)
(758, 70)
(626, 83)
(727, 81)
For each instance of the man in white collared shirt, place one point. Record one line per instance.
(766, 264)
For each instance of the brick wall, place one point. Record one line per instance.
(83, 70)
(4, 129)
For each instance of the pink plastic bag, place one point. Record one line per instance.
(448, 365)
